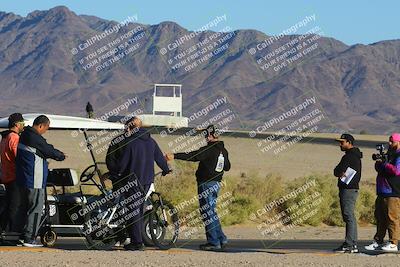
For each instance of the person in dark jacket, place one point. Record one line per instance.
(137, 165)
(348, 172)
(113, 158)
(213, 161)
(116, 149)
(31, 174)
(387, 204)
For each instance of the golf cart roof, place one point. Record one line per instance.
(68, 122)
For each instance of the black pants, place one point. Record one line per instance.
(13, 218)
(135, 203)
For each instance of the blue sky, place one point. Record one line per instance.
(348, 21)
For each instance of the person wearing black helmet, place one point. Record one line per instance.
(213, 161)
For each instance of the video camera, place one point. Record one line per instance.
(382, 155)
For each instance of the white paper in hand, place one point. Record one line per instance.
(348, 175)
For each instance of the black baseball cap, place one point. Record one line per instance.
(14, 118)
(346, 137)
(209, 130)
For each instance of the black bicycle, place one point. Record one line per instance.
(101, 227)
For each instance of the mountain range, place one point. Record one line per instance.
(55, 61)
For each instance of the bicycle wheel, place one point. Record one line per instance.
(164, 225)
(146, 235)
(98, 234)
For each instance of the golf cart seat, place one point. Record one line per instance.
(64, 177)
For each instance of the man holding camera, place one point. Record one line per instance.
(348, 172)
(387, 204)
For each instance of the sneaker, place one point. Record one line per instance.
(374, 246)
(224, 244)
(343, 248)
(133, 247)
(390, 247)
(124, 243)
(31, 244)
(210, 247)
(353, 249)
(127, 241)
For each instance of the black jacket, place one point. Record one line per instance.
(208, 157)
(31, 164)
(352, 159)
(114, 154)
(30, 137)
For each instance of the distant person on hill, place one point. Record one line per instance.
(348, 172)
(89, 110)
(213, 161)
(387, 204)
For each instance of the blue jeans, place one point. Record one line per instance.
(208, 194)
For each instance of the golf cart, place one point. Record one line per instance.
(96, 217)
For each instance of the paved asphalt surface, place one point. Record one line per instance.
(242, 245)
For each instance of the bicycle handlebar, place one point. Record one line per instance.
(160, 173)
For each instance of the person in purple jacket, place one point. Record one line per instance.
(137, 165)
(387, 204)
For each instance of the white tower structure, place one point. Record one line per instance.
(167, 107)
(168, 104)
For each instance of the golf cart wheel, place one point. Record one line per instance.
(48, 238)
